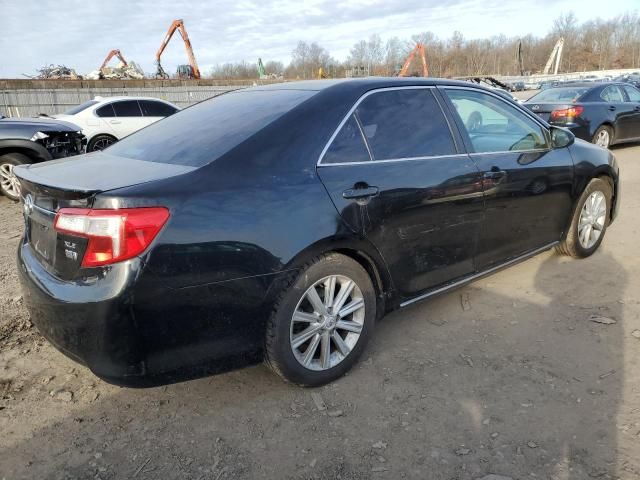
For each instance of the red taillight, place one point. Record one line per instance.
(114, 235)
(565, 113)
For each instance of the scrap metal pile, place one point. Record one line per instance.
(121, 72)
(57, 72)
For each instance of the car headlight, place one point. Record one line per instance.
(39, 136)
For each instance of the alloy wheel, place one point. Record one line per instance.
(8, 181)
(327, 322)
(603, 138)
(592, 219)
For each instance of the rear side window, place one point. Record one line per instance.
(405, 123)
(127, 108)
(199, 134)
(156, 109)
(348, 146)
(106, 111)
(632, 93)
(612, 94)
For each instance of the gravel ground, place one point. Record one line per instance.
(508, 376)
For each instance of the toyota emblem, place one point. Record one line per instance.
(535, 107)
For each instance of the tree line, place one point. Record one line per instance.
(592, 45)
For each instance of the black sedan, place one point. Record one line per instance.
(602, 113)
(281, 222)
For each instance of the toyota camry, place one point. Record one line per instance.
(280, 222)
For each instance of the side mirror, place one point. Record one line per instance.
(561, 137)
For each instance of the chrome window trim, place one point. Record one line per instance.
(393, 160)
(372, 161)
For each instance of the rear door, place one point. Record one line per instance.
(399, 176)
(633, 99)
(527, 185)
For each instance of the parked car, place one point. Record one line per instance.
(518, 86)
(602, 113)
(281, 222)
(105, 120)
(31, 140)
(633, 79)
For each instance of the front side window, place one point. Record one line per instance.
(494, 125)
(612, 94)
(127, 108)
(405, 123)
(632, 93)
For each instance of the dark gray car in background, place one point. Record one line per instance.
(33, 140)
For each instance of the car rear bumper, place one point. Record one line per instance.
(133, 331)
(89, 320)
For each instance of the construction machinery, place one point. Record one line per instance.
(556, 54)
(184, 71)
(421, 51)
(110, 55)
(262, 73)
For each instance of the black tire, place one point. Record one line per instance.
(279, 354)
(600, 131)
(571, 244)
(97, 142)
(9, 161)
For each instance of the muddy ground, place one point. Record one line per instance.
(508, 376)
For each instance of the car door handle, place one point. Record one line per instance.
(495, 174)
(612, 108)
(637, 109)
(359, 193)
(114, 122)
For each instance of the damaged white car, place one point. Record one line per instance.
(105, 120)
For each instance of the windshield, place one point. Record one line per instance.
(201, 133)
(81, 107)
(565, 94)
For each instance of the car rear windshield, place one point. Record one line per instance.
(81, 107)
(564, 94)
(199, 134)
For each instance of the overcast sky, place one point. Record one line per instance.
(79, 33)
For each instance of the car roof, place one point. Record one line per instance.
(356, 87)
(364, 83)
(102, 99)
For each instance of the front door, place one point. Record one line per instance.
(527, 184)
(399, 177)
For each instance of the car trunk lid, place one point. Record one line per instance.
(73, 183)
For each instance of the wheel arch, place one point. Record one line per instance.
(358, 250)
(100, 134)
(36, 152)
(606, 123)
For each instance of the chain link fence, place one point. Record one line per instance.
(32, 102)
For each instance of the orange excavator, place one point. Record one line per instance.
(420, 50)
(110, 55)
(184, 71)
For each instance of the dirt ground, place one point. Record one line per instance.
(508, 376)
